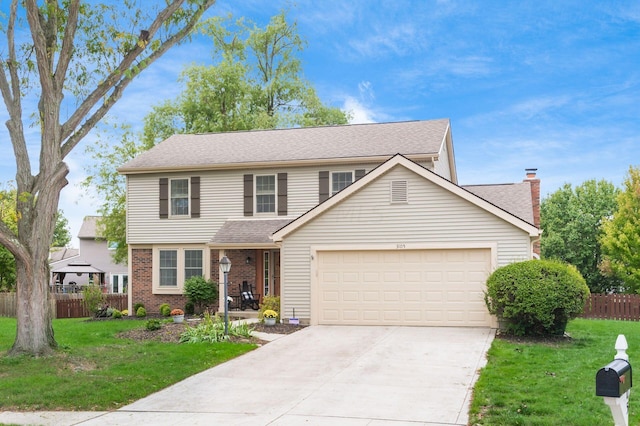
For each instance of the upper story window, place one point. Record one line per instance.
(179, 197)
(340, 180)
(266, 194)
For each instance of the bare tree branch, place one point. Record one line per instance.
(67, 44)
(124, 80)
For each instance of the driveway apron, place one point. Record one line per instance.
(327, 375)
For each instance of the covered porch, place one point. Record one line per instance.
(255, 261)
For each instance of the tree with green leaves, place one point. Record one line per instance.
(621, 235)
(572, 220)
(72, 61)
(61, 234)
(256, 84)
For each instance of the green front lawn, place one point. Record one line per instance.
(94, 370)
(553, 383)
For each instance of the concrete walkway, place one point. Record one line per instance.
(321, 375)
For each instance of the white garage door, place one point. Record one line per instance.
(403, 287)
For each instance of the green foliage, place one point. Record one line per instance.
(93, 298)
(621, 238)
(116, 314)
(200, 292)
(137, 306)
(572, 223)
(165, 310)
(211, 330)
(141, 312)
(61, 233)
(536, 297)
(152, 324)
(269, 303)
(189, 308)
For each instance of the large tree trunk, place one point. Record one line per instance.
(34, 334)
(35, 230)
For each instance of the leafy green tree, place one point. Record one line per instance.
(61, 233)
(72, 62)
(201, 292)
(572, 220)
(256, 84)
(621, 237)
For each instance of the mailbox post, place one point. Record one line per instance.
(614, 382)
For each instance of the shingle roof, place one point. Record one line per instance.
(244, 231)
(298, 144)
(89, 228)
(515, 198)
(57, 254)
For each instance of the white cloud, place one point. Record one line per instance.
(359, 113)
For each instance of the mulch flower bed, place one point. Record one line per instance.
(170, 332)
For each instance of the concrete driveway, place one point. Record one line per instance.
(326, 375)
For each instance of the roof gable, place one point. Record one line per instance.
(374, 142)
(399, 160)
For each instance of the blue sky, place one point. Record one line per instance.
(544, 84)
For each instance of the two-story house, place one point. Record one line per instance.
(355, 224)
(93, 262)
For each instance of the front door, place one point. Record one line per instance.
(271, 272)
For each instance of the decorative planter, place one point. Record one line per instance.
(178, 318)
(269, 321)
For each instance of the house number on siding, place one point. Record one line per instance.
(401, 246)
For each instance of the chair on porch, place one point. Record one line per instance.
(248, 298)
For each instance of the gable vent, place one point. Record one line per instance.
(399, 191)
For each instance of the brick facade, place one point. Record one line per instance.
(142, 284)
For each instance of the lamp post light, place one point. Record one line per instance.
(225, 267)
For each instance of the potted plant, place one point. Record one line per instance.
(177, 315)
(270, 317)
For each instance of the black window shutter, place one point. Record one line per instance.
(282, 194)
(164, 198)
(323, 178)
(195, 196)
(360, 173)
(248, 195)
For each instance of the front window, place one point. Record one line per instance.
(340, 180)
(193, 264)
(168, 268)
(179, 197)
(266, 194)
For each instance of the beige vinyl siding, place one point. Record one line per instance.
(441, 166)
(433, 217)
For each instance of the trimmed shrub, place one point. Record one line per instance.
(93, 298)
(200, 292)
(536, 297)
(125, 313)
(136, 306)
(189, 308)
(141, 312)
(153, 324)
(165, 310)
(116, 314)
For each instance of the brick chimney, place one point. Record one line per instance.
(534, 183)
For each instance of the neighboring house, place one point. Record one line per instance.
(357, 224)
(91, 263)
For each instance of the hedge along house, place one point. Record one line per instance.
(357, 224)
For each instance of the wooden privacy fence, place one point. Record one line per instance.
(63, 305)
(613, 306)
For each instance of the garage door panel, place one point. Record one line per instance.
(404, 287)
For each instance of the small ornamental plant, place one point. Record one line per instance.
(269, 313)
(177, 311)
